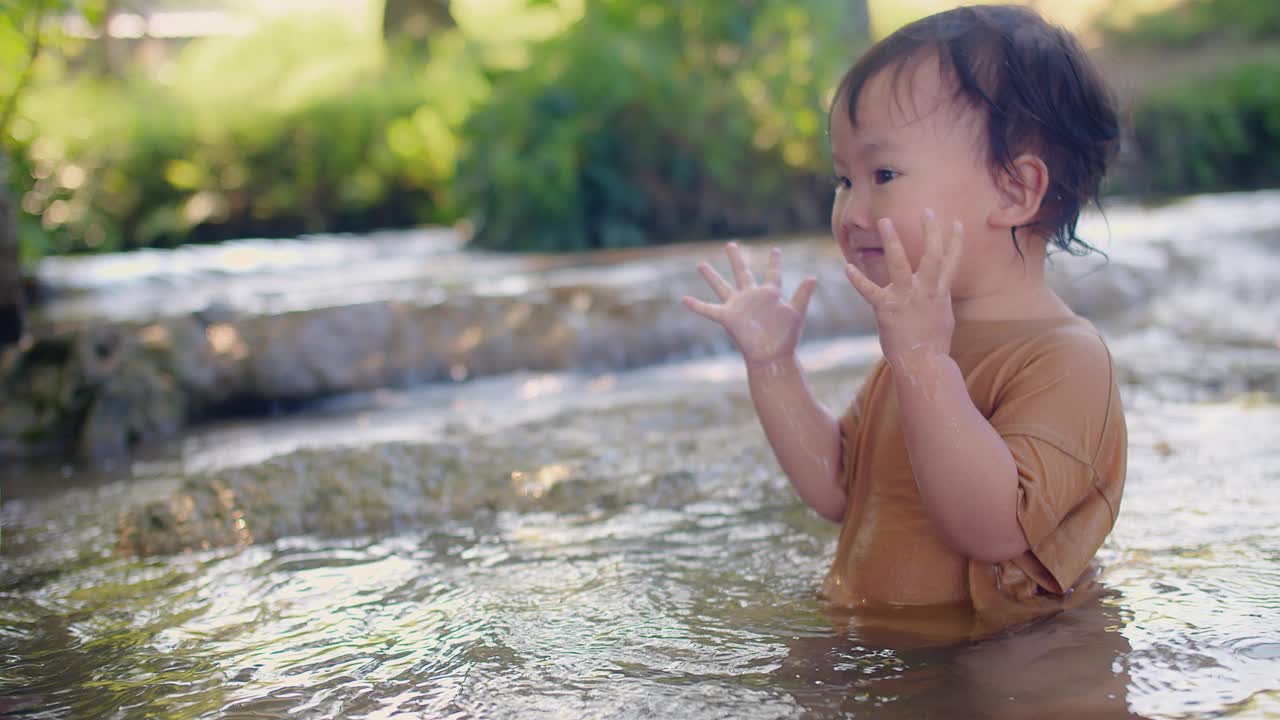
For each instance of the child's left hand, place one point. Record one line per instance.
(913, 312)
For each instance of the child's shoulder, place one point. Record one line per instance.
(1069, 333)
(1064, 359)
(1066, 338)
(1071, 351)
(1056, 382)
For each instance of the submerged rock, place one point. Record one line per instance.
(339, 492)
(675, 455)
(309, 491)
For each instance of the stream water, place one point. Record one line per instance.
(618, 542)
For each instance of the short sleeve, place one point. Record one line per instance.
(1061, 417)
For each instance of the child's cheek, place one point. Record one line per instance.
(837, 212)
(960, 281)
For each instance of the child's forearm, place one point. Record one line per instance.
(965, 473)
(804, 436)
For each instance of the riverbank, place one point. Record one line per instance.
(111, 364)
(133, 349)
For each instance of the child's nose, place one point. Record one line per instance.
(855, 214)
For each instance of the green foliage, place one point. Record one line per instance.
(626, 122)
(1194, 21)
(1222, 133)
(25, 38)
(15, 50)
(650, 122)
(24, 33)
(312, 135)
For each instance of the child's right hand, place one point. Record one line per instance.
(763, 325)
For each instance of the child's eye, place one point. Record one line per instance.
(843, 182)
(884, 176)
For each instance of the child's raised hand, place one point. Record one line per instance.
(913, 312)
(763, 325)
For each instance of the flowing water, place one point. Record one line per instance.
(620, 543)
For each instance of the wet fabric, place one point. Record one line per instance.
(1049, 388)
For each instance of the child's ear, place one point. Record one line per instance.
(1022, 186)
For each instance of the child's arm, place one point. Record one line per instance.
(803, 435)
(964, 469)
(966, 474)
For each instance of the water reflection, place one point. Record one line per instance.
(690, 594)
(1071, 665)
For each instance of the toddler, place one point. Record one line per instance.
(982, 461)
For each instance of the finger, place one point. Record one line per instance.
(955, 249)
(774, 276)
(740, 272)
(800, 301)
(717, 283)
(930, 269)
(894, 254)
(867, 288)
(705, 309)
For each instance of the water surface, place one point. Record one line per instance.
(621, 544)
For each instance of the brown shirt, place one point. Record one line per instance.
(1049, 388)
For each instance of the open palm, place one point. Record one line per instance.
(914, 312)
(763, 324)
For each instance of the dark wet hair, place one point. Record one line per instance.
(1035, 86)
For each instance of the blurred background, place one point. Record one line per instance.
(537, 126)
(344, 370)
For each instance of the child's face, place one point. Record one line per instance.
(913, 148)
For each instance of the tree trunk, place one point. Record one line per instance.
(408, 23)
(10, 263)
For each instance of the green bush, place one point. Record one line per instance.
(641, 122)
(656, 122)
(312, 134)
(1222, 133)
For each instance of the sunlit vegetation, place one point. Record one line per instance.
(653, 122)
(546, 124)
